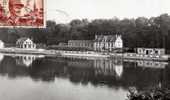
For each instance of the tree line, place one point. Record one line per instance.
(138, 32)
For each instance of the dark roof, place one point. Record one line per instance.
(106, 38)
(21, 40)
(80, 41)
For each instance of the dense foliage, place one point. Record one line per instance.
(156, 93)
(139, 32)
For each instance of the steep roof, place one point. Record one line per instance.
(106, 38)
(80, 41)
(21, 40)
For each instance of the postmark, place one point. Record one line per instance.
(22, 13)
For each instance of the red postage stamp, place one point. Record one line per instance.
(22, 13)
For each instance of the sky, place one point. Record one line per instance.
(63, 11)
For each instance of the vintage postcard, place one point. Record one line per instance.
(22, 13)
(89, 50)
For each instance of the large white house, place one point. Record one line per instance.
(108, 42)
(25, 43)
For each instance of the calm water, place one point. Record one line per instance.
(30, 77)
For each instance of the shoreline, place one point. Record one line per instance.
(85, 54)
(29, 51)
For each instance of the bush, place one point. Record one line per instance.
(153, 94)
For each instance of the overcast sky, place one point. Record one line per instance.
(66, 10)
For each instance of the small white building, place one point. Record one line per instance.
(1, 44)
(25, 43)
(151, 51)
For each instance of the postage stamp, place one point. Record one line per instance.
(22, 13)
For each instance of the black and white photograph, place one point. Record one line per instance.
(84, 49)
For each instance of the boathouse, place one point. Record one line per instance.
(25, 43)
(108, 42)
(151, 51)
(1, 44)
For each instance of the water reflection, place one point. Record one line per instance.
(1, 57)
(9, 68)
(119, 70)
(22, 59)
(151, 64)
(27, 60)
(108, 67)
(114, 74)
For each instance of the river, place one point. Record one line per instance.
(32, 77)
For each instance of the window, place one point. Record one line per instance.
(25, 46)
(156, 51)
(147, 52)
(139, 51)
(30, 45)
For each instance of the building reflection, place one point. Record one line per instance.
(26, 60)
(9, 68)
(117, 73)
(80, 63)
(152, 64)
(1, 57)
(119, 70)
(149, 64)
(108, 67)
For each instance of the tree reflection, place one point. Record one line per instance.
(8, 67)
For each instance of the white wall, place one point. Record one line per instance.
(119, 42)
(1, 45)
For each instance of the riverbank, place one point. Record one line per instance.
(127, 56)
(29, 51)
(86, 54)
(80, 54)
